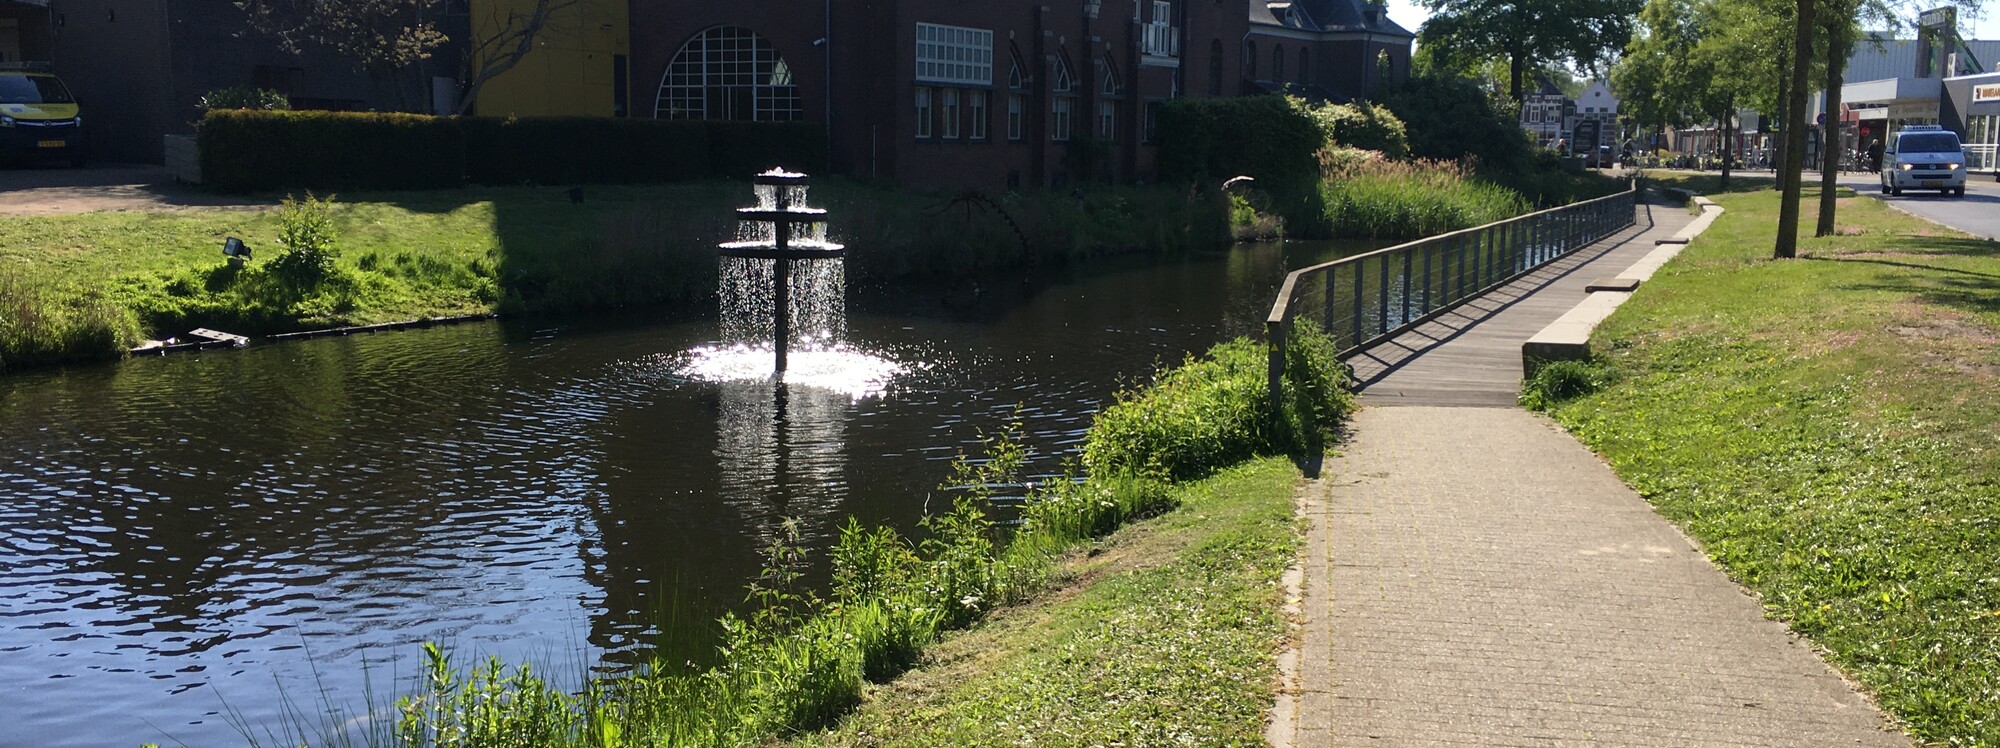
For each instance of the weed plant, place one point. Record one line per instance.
(1558, 382)
(797, 661)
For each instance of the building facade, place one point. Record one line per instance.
(1548, 115)
(26, 34)
(992, 93)
(1330, 50)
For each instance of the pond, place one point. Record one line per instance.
(187, 543)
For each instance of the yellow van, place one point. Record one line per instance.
(38, 117)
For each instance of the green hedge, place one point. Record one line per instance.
(258, 150)
(245, 149)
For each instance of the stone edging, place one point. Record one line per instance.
(1568, 338)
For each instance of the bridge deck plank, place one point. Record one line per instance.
(1472, 356)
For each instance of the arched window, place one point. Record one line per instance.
(1215, 67)
(1278, 62)
(1305, 66)
(728, 73)
(1249, 59)
(1062, 106)
(1387, 67)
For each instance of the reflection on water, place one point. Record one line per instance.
(181, 534)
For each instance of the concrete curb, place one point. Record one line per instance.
(1568, 338)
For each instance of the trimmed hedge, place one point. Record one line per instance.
(248, 149)
(244, 150)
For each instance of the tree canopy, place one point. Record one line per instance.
(1526, 34)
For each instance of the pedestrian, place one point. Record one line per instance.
(1875, 156)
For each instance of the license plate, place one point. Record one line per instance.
(1933, 183)
(53, 143)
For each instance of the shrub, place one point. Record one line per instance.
(1361, 125)
(243, 97)
(1212, 412)
(246, 150)
(305, 228)
(1259, 136)
(1449, 118)
(1556, 382)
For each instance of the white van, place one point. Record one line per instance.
(1925, 157)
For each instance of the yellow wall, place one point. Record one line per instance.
(570, 71)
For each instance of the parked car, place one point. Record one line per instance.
(1924, 157)
(38, 117)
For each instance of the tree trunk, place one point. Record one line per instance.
(1795, 135)
(1838, 41)
(1727, 130)
(1784, 99)
(1517, 68)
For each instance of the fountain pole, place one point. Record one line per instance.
(781, 277)
(782, 248)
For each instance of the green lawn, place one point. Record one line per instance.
(1827, 428)
(1167, 634)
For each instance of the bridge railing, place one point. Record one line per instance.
(1369, 298)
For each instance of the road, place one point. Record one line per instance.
(1976, 213)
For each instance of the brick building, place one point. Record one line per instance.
(988, 93)
(138, 69)
(1334, 50)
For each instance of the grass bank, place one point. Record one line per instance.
(1163, 633)
(1825, 427)
(87, 286)
(1178, 619)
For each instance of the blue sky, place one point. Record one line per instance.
(1412, 15)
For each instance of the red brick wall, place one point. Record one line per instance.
(873, 42)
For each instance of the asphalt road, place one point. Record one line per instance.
(1976, 213)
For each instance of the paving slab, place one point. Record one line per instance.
(1474, 576)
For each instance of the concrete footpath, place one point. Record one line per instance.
(1474, 576)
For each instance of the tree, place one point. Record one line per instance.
(1526, 33)
(384, 38)
(504, 39)
(1790, 176)
(388, 38)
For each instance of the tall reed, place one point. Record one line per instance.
(1383, 199)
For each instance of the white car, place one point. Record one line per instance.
(1924, 157)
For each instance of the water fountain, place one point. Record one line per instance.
(783, 231)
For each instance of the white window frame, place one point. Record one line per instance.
(976, 107)
(1060, 109)
(948, 108)
(954, 55)
(1107, 120)
(924, 116)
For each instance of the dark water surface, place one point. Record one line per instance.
(190, 537)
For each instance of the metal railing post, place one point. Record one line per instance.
(1382, 305)
(1430, 303)
(1408, 261)
(1357, 303)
